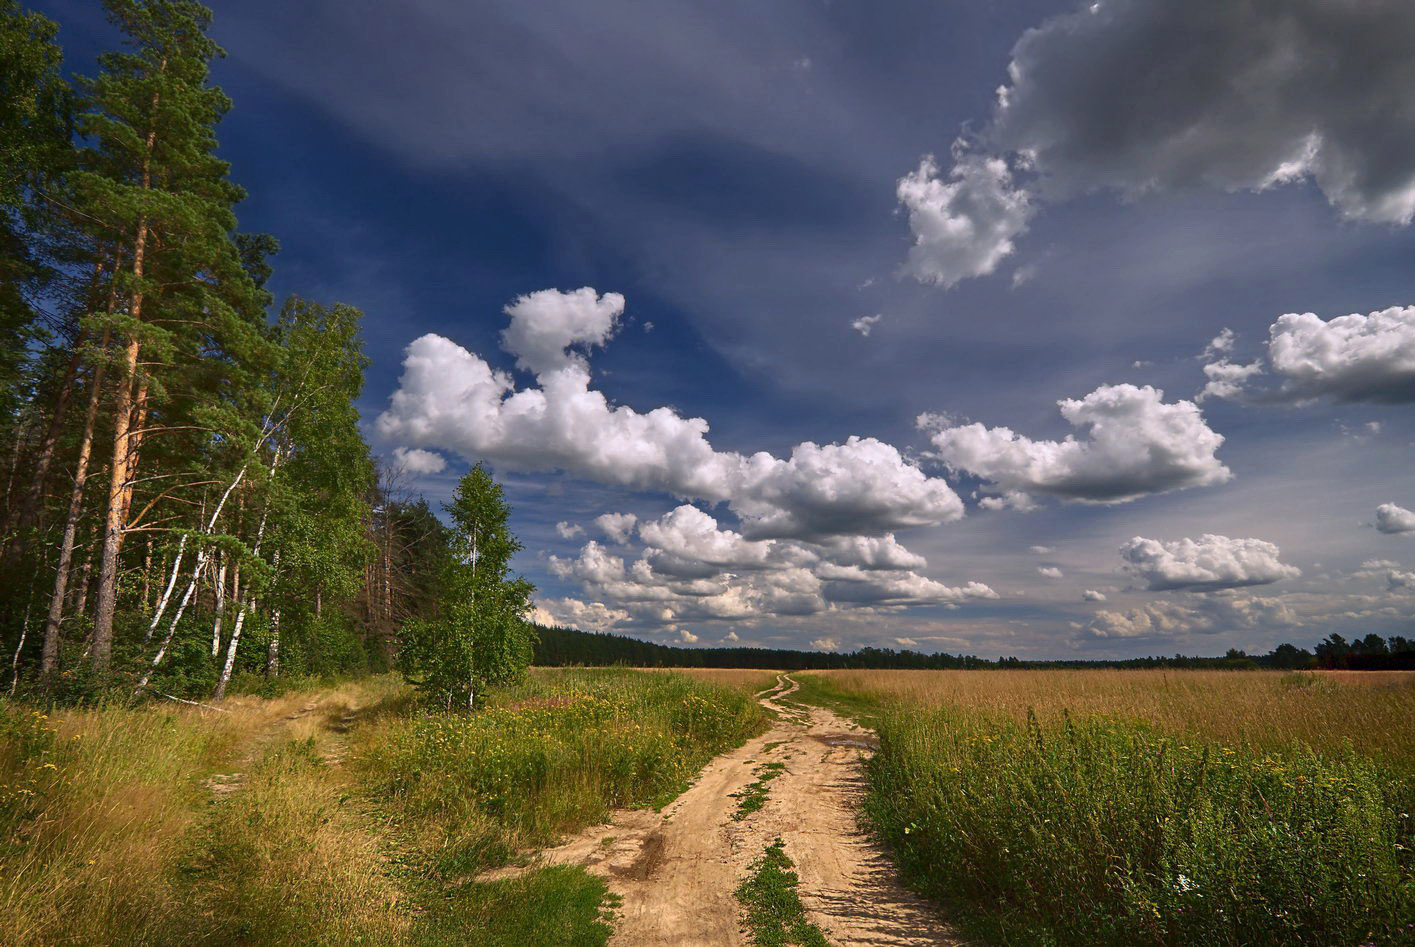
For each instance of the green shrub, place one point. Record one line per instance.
(1114, 832)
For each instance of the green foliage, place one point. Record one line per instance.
(775, 914)
(554, 754)
(479, 636)
(1111, 832)
(753, 795)
(563, 906)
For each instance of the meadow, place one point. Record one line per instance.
(1145, 807)
(336, 814)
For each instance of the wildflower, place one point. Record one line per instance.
(1184, 884)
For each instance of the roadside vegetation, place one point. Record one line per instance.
(330, 815)
(1145, 807)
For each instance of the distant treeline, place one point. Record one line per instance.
(558, 647)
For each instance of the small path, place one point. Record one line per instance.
(677, 870)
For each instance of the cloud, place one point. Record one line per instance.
(687, 533)
(449, 397)
(569, 530)
(573, 613)
(1349, 358)
(545, 325)
(617, 527)
(686, 636)
(1143, 96)
(1353, 358)
(1400, 581)
(1136, 446)
(864, 324)
(906, 642)
(825, 644)
(1051, 572)
(1207, 564)
(1042, 550)
(1166, 619)
(1227, 379)
(1271, 93)
(1091, 595)
(1394, 519)
(964, 225)
(693, 569)
(416, 461)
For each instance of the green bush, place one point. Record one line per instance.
(1114, 832)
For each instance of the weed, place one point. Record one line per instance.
(753, 796)
(775, 914)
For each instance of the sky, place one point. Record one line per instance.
(1025, 328)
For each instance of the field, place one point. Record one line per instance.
(1135, 807)
(336, 815)
(1022, 807)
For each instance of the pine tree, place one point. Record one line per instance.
(154, 181)
(480, 636)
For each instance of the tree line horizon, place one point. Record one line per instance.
(562, 647)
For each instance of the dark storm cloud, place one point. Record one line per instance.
(1152, 94)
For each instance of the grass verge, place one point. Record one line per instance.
(549, 757)
(1109, 832)
(775, 914)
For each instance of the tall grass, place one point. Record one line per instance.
(1109, 832)
(95, 806)
(551, 756)
(338, 815)
(1146, 807)
(1369, 712)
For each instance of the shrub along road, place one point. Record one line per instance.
(677, 870)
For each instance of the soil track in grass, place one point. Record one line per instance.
(677, 871)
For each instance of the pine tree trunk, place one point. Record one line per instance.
(52, 623)
(124, 459)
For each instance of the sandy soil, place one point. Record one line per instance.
(677, 871)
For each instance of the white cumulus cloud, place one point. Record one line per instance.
(825, 644)
(451, 398)
(569, 530)
(417, 461)
(1137, 445)
(1050, 572)
(616, 527)
(963, 225)
(1091, 595)
(1206, 564)
(1394, 519)
(1352, 358)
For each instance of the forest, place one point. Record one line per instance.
(186, 496)
(557, 647)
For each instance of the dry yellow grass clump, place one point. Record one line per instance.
(1368, 711)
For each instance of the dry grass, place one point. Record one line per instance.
(1368, 711)
(749, 678)
(100, 807)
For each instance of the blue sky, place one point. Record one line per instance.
(1111, 188)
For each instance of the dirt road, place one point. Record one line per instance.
(677, 870)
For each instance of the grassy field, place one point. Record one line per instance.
(1145, 807)
(1367, 711)
(335, 815)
